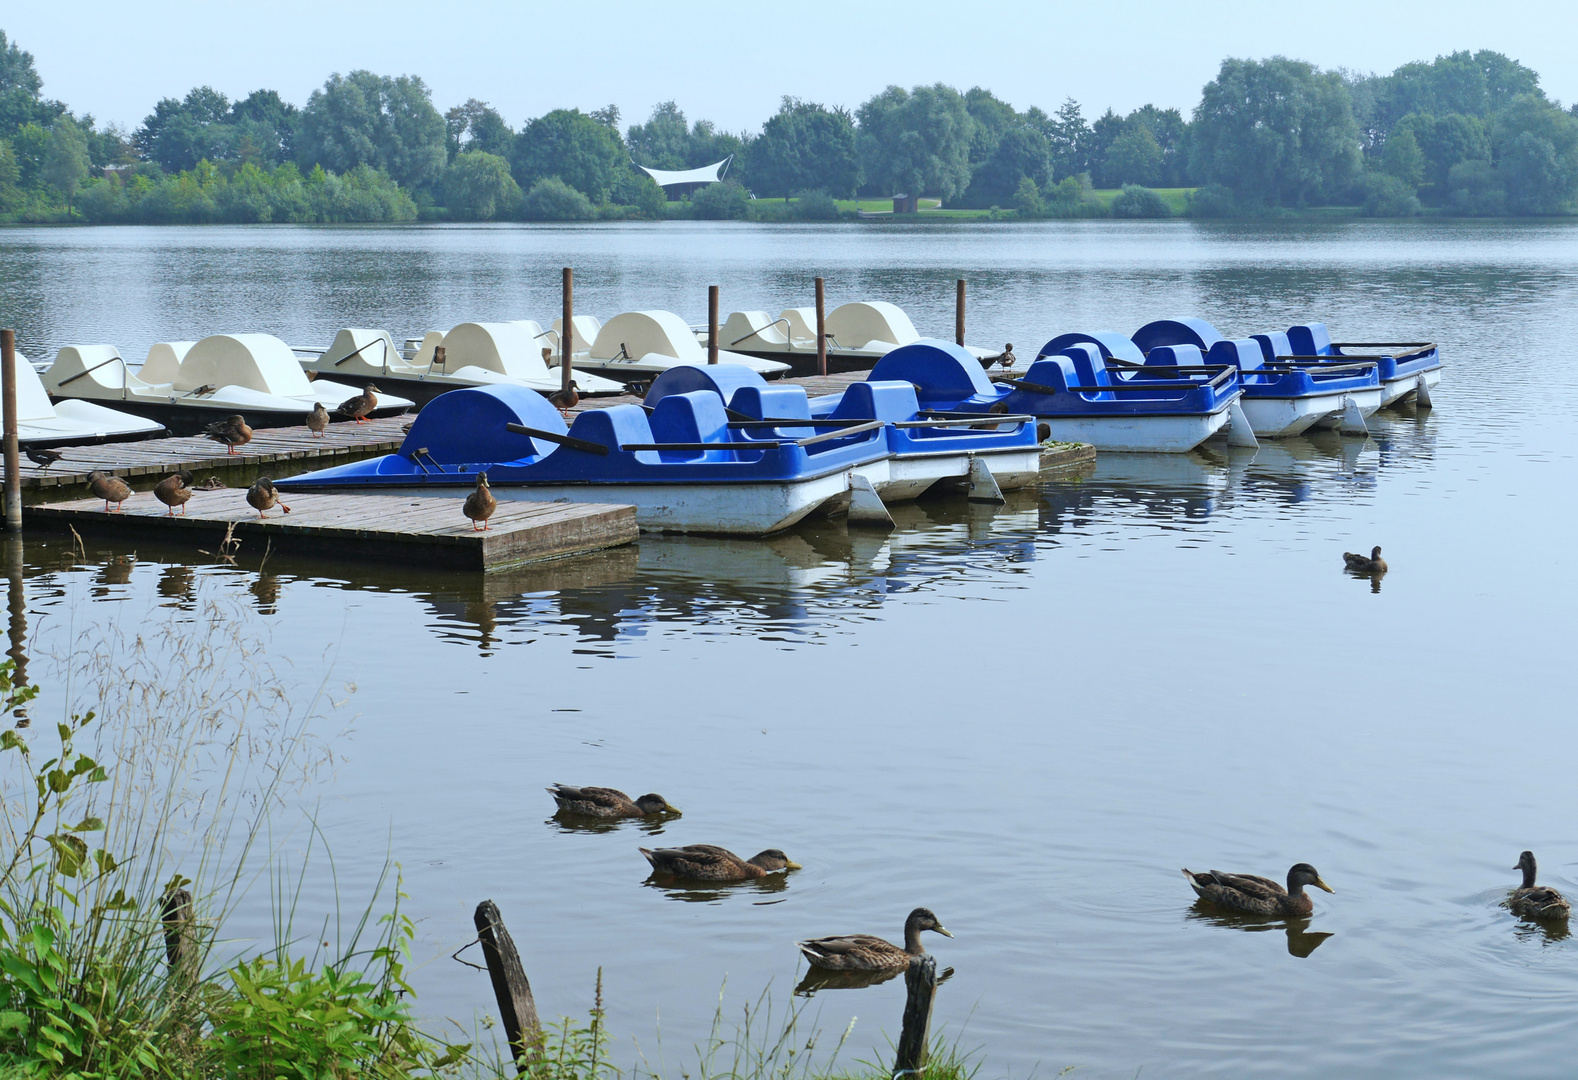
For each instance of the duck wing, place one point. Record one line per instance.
(847, 943)
(696, 860)
(853, 952)
(589, 799)
(1249, 885)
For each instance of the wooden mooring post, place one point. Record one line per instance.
(567, 332)
(920, 982)
(958, 313)
(712, 324)
(821, 327)
(180, 937)
(511, 989)
(13, 456)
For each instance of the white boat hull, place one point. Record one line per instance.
(912, 475)
(1138, 434)
(736, 509)
(83, 422)
(1284, 417)
(1395, 391)
(1369, 402)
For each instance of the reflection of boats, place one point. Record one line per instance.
(1070, 392)
(41, 423)
(1301, 940)
(858, 335)
(186, 386)
(471, 354)
(685, 469)
(640, 345)
(1408, 369)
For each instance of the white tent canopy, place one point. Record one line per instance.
(707, 174)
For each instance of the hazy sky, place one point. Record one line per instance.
(731, 62)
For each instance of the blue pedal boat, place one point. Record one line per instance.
(1408, 368)
(926, 453)
(685, 468)
(1281, 398)
(1072, 395)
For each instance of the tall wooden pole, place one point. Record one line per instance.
(511, 989)
(712, 324)
(13, 457)
(958, 314)
(821, 327)
(567, 334)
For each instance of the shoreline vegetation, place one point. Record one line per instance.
(113, 963)
(1471, 134)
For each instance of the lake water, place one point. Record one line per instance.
(1027, 718)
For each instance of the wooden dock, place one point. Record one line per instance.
(426, 529)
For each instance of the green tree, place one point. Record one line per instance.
(1068, 135)
(1104, 131)
(20, 86)
(726, 201)
(1403, 159)
(993, 118)
(367, 119)
(1279, 132)
(65, 164)
(1535, 146)
(663, 141)
(569, 144)
(10, 174)
(1135, 201)
(1021, 153)
(804, 146)
(476, 125)
(478, 186)
(179, 134)
(1027, 198)
(551, 199)
(1171, 132)
(916, 141)
(1476, 189)
(1388, 196)
(1135, 157)
(269, 121)
(1445, 141)
(637, 190)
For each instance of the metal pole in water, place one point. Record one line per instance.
(958, 314)
(821, 327)
(712, 324)
(567, 331)
(13, 463)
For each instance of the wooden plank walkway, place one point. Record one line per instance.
(428, 529)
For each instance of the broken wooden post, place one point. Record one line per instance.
(566, 333)
(958, 314)
(821, 327)
(920, 983)
(180, 937)
(712, 324)
(13, 457)
(512, 991)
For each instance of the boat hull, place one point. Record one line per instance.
(1369, 402)
(1397, 391)
(193, 419)
(1284, 417)
(913, 475)
(1139, 434)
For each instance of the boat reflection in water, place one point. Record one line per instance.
(1301, 940)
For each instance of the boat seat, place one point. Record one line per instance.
(697, 416)
(1110, 342)
(943, 373)
(1197, 332)
(751, 329)
(163, 363)
(1310, 339)
(724, 380)
(1244, 354)
(1056, 372)
(890, 401)
(615, 426)
(1175, 356)
(1273, 345)
(802, 323)
(98, 365)
(466, 427)
(760, 402)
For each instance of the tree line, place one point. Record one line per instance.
(1469, 133)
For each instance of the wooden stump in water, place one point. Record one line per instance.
(180, 937)
(920, 982)
(511, 989)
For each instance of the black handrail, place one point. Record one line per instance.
(769, 326)
(757, 444)
(353, 352)
(976, 418)
(88, 371)
(795, 421)
(571, 442)
(1120, 387)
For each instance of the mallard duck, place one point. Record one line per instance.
(704, 862)
(565, 398)
(174, 490)
(232, 431)
(318, 419)
(1262, 896)
(1536, 901)
(42, 458)
(1359, 564)
(112, 489)
(480, 504)
(863, 952)
(356, 408)
(606, 802)
(262, 496)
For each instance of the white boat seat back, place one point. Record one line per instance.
(505, 348)
(753, 330)
(32, 400)
(260, 362)
(802, 323)
(865, 325)
(424, 352)
(584, 332)
(374, 352)
(164, 362)
(98, 365)
(642, 333)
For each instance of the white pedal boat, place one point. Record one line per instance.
(41, 423)
(638, 346)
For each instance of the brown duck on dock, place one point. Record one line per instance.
(262, 496)
(42, 458)
(565, 398)
(174, 490)
(357, 408)
(607, 802)
(480, 504)
(112, 489)
(863, 952)
(318, 419)
(1361, 565)
(1258, 895)
(705, 862)
(232, 431)
(1536, 901)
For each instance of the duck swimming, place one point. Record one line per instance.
(1361, 565)
(705, 862)
(1258, 895)
(607, 802)
(1536, 901)
(863, 952)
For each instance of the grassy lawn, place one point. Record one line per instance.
(1176, 198)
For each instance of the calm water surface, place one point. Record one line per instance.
(1027, 718)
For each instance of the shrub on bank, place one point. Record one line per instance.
(1073, 197)
(1388, 196)
(551, 199)
(1135, 201)
(1211, 201)
(244, 194)
(726, 201)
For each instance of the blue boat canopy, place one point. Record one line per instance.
(1243, 354)
(943, 371)
(1273, 345)
(722, 379)
(1108, 342)
(468, 425)
(1197, 332)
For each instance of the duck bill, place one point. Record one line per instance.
(944, 931)
(791, 865)
(1319, 884)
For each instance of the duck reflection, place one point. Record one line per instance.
(1372, 576)
(565, 822)
(1545, 931)
(712, 892)
(265, 589)
(1301, 940)
(175, 583)
(817, 979)
(117, 571)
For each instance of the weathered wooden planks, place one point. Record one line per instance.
(426, 529)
